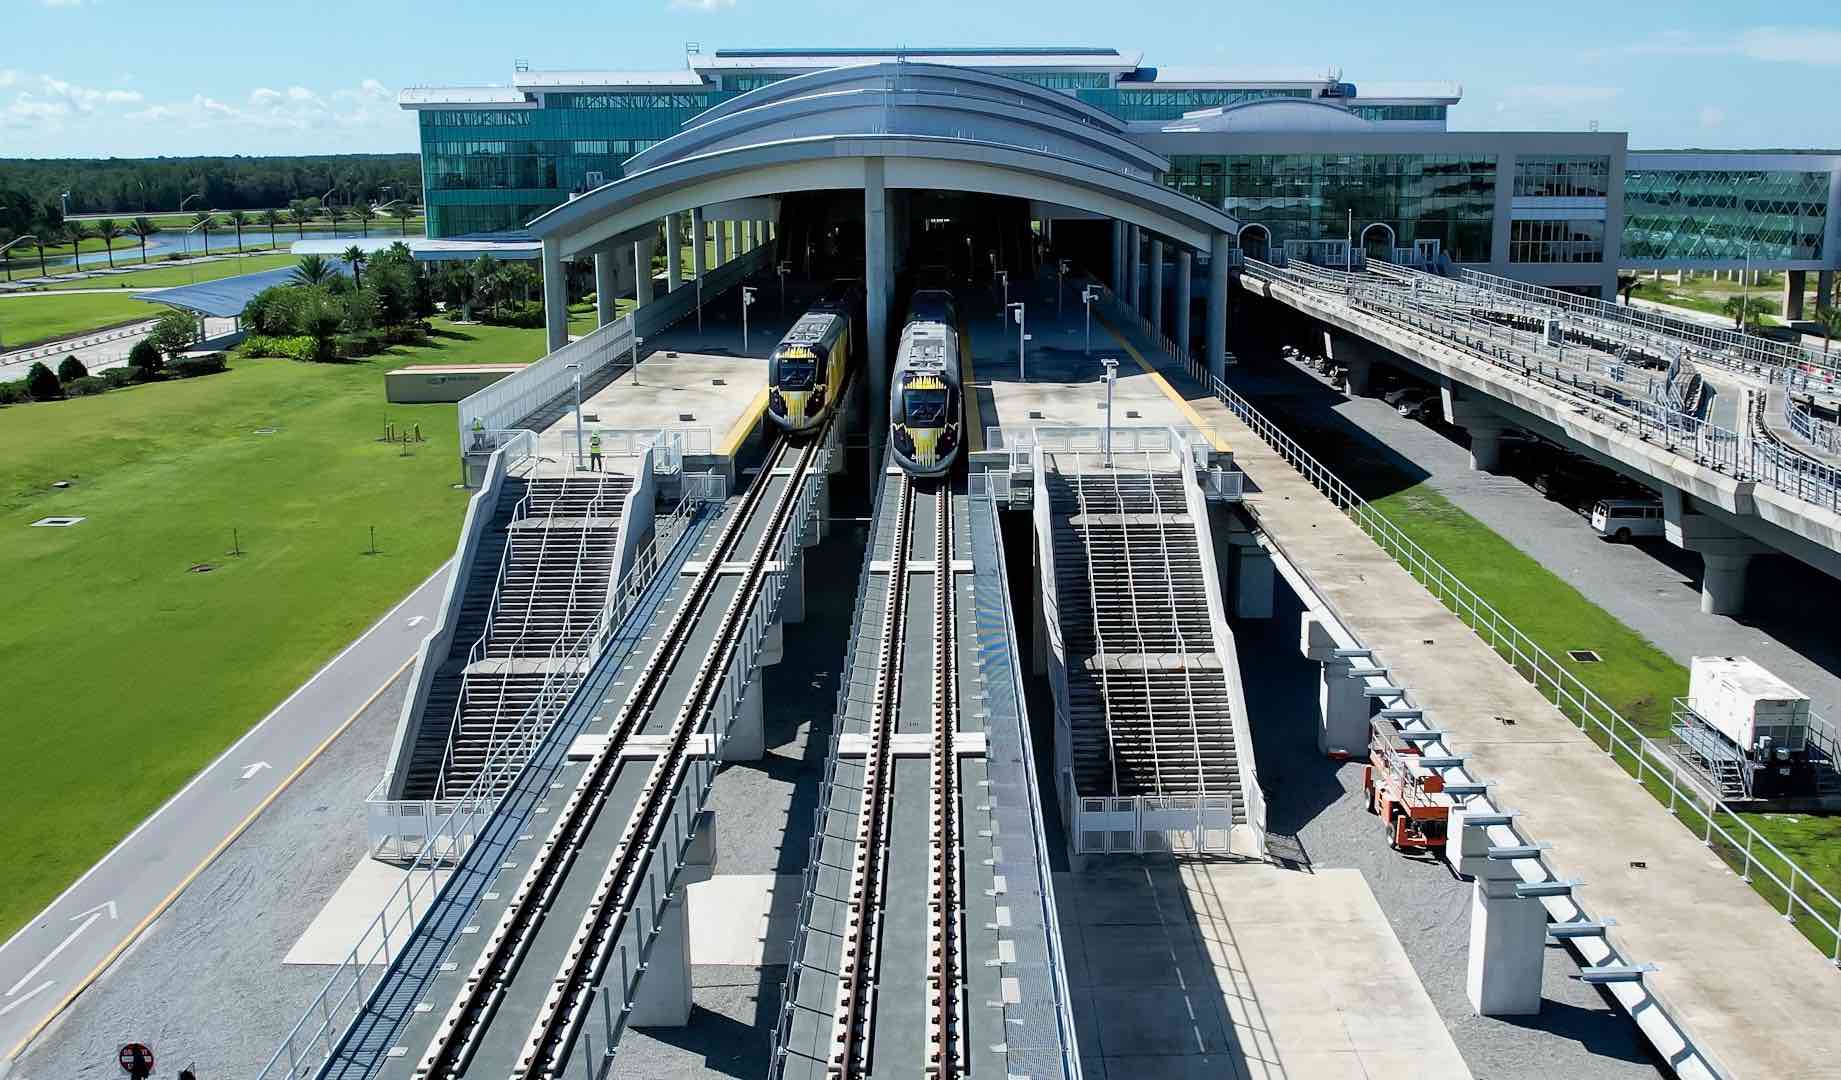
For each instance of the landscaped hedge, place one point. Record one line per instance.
(288, 348)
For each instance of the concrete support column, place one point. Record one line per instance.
(1483, 425)
(747, 738)
(699, 230)
(663, 999)
(555, 295)
(1252, 577)
(1824, 288)
(1725, 553)
(674, 262)
(1722, 582)
(1794, 282)
(1133, 261)
(1217, 304)
(606, 283)
(1508, 939)
(1118, 257)
(1185, 293)
(877, 283)
(722, 242)
(1358, 370)
(1156, 297)
(1466, 845)
(792, 597)
(1343, 710)
(642, 269)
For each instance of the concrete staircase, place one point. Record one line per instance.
(1148, 698)
(538, 585)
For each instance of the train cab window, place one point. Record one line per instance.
(797, 373)
(925, 408)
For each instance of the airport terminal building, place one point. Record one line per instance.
(1304, 164)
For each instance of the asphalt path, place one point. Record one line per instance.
(49, 962)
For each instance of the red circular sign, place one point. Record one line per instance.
(136, 1060)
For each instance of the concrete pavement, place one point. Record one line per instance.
(49, 962)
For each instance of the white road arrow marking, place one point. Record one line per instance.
(89, 918)
(418, 620)
(249, 771)
(36, 990)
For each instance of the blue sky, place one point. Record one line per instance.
(177, 77)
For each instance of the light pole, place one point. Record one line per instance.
(1745, 293)
(1087, 296)
(1016, 312)
(968, 258)
(637, 275)
(1111, 376)
(190, 265)
(64, 202)
(1004, 277)
(8, 246)
(1348, 246)
(637, 342)
(576, 369)
(326, 201)
(699, 310)
(1061, 273)
(747, 302)
(782, 270)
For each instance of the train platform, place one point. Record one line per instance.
(1753, 994)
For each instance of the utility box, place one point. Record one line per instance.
(1748, 704)
(421, 384)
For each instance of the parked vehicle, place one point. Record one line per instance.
(1624, 520)
(1412, 402)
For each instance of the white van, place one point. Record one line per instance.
(1624, 519)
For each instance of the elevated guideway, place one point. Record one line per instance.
(926, 938)
(1735, 989)
(1569, 369)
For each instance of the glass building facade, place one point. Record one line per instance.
(1685, 215)
(1570, 176)
(1445, 197)
(1567, 241)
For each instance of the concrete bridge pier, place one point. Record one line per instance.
(747, 738)
(1725, 553)
(1252, 579)
(1508, 938)
(606, 286)
(1156, 297)
(674, 261)
(1479, 421)
(1133, 261)
(1343, 710)
(663, 999)
(642, 268)
(1794, 282)
(1185, 296)
(792, 597)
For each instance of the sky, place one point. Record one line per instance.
(136, 78)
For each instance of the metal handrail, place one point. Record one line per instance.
(1744, 848)
(1176, 624)
(1099, 642)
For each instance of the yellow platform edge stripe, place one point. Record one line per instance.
(968, 389)
(1182, 404)
(744, 425)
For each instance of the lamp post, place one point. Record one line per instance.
(1003, 276)
(637, 342)
(64, 202)
(326, 201)
(8, 246)
(190, 265)
(1087, 296)
(1348, 246)
(576, 370)
(699, 311)
(1061, 273)
(968, 258)
(1111, 376)
(747, 302)
(782, 269)
(1022, 336)
(1745, 293)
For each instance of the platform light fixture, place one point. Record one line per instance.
(1022, 337)
(1061, 273)
(1087, 296)
(1003, 276)
(747, 302)
(783, 269)
(1109, 378)
(637, 342)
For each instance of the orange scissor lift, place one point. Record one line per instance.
(1408, 803)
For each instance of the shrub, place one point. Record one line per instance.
(85, 386)
(14, 393)
(175, 332)
(359, 344)
(527, 315)
(71, 368)
(42, 384)
(118, 377)
(194, 366)
(288, 348)
(146, 360)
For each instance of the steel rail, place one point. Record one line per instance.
(566, 1006)
(852, 1014)
(945, 937)
(452, 1047)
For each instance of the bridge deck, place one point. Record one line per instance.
(1750, 989)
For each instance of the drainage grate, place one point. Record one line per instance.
(1585, 656)
(265, 431)
(55, 522)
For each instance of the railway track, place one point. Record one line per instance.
(854, 1012)
(566, 1004)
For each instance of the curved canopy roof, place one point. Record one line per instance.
(933, 127)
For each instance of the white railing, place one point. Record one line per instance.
(1772, 872)
(668, 446)
(1131, 824)
(1818, 433)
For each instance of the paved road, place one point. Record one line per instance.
(98, 351)
(1648, 586)
(50, 961)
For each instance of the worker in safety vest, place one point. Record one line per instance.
(479, 434)
(594, 452)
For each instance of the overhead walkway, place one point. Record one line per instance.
(1127, 552)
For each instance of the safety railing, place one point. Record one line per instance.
(1817, 433)
(447, 828)
(1133, 824)
(668, 446)
(1772, 872)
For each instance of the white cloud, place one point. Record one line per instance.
(1557, 95)
(298, 108)
(1712, 116)
(46, 101)
(1818, 46)
(701, 5)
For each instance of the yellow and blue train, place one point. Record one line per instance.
(926, 411)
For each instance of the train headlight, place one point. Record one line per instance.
(904, 442)
(1783, 753)
(816, 401)
(776, 403)
(949, 438)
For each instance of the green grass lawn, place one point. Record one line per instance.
(1635, 678)
(28, 319)
(166, 276)
(115, 646)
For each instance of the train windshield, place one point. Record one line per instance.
(925, 408)
(797, 372)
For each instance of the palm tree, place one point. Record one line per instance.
(355, 258)
(313, 270)
(237, 219)
(38, 241)
(77, 232)
(143, 228)
(365, 213)
(333, 213)
(271, 218)
(1744, 311)
(457, 284)
(298, 214)
(202, 222)
(485, 282)
(1830, 320)
(110, 232)
(402, 212)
